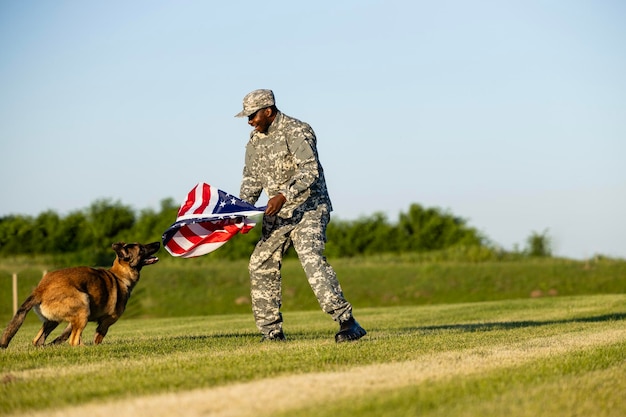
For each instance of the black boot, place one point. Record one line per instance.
(274, 336)
(349, 330)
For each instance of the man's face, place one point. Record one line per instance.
(261, 120)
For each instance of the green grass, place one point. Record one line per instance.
(203, 286)
(189, 325)
(556, 356)
(589, 384)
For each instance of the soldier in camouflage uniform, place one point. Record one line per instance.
(281, 158)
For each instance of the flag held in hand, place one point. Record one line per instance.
(206, 220)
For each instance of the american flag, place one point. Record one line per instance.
(206, 220)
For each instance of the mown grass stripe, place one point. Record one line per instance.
(284, 393)
(581, 383)
(142, 358)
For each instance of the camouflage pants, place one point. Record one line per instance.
(306, 230)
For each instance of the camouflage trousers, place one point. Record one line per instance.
(306, 230)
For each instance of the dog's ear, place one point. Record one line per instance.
(117, 246)
(120, 250)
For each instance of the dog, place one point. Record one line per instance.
(81, 294)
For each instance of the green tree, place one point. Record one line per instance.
(106, 222)
(88, 234)
(367, 235)
(151, 224)
(539, 244)
(45, 231)
(338, 242)
(72, 234)
(16, 233)
(431, 229)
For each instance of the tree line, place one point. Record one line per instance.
(85, 236)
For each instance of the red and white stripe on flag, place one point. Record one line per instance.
(206, 220)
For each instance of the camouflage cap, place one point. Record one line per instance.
(256, 100)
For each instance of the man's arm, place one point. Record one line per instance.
(303, 146)
(251, 188)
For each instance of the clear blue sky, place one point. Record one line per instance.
(510, 114)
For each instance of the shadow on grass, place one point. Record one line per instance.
(486, 327)
(467, 327)
(207, 337)
(240, 335)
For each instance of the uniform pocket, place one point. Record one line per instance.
(286, 167)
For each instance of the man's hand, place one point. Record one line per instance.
(275, 204)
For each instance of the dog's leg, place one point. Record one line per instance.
(102, 329)
(46, 329)
(78, 323)
(63, 336)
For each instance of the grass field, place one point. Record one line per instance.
(203, 286)
(553, 356)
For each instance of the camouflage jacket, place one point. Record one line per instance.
(285, 161)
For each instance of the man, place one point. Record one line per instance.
(281, 158)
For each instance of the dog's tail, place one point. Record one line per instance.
(17, 320)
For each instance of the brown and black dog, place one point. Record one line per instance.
(81, 294)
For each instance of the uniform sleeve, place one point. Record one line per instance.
(302, 143)
(251, 186)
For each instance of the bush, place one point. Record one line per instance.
(88, 234)
(539, 245)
